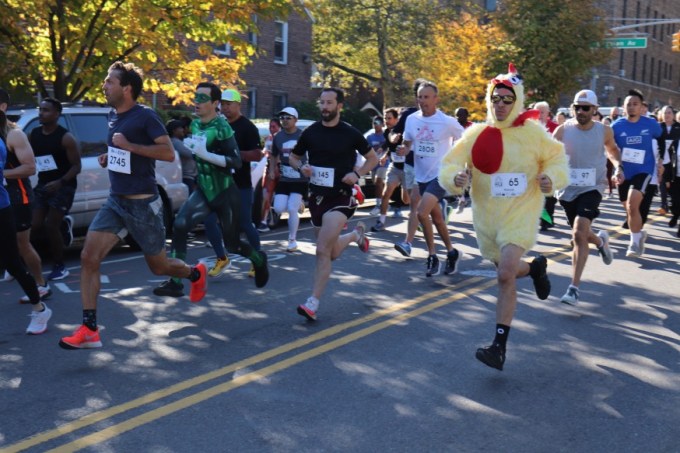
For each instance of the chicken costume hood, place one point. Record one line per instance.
(519, 148)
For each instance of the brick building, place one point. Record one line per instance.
(281, 75)
(654, 70)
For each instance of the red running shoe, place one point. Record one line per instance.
(358, 194)
(200, 286)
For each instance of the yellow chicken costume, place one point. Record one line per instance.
(504, 157)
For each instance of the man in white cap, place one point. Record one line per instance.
(584, 141)
(292, 185)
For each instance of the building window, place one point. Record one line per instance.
(281, 42)
(644, 68)
(251, 103)
(634, 65)
(224, 50)
(279, 102)
(252, 35)
(651, 71)
(490, 5)
(658, 73)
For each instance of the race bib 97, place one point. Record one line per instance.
(583, 177)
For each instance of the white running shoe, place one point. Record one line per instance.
(39, 320)
(571, 296)
(604, 249)
(292, 246)
(44, 292)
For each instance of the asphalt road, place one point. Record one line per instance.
(389, 366)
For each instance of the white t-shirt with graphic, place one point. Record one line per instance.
(431, 137)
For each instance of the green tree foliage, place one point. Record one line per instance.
(554, 40)
(380, 42)
(69, 44)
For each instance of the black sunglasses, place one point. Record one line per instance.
(507, 99)
(585, 108)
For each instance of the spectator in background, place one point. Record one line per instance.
(265, 188)
(177, 131)
(615, 114)
(550, 200)
(560, 118)
(379, 174)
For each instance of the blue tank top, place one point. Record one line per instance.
(4, 196)
(632, 138)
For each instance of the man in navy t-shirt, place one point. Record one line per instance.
(634, 135)
(136, 139)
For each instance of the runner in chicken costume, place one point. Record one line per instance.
(513, 163)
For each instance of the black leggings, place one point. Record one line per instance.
(10, 258)
(227, 206)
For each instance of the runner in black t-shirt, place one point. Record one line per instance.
(331, 146)
(136, 139)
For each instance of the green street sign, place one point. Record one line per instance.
(624, 43)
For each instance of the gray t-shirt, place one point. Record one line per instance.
(587, 159)
(282, 146)
(189, 170)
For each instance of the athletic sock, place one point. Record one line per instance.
(194, 276)
(383, 217)
(90, 319)
(501, 338)
(255, 258)
(635, 237)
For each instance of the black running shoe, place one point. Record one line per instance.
(452, 259)
(261, 272)
(493, 356)
(169, 288)
(538, 271)
(432, 267)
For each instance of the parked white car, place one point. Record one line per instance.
(90, 125)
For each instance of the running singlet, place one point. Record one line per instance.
(4, 196)
(282, 146)
(51, 160)
(332, 154)
(211, 179)
(635, 142)
(130, 173)
(19, 190)
(587, 160)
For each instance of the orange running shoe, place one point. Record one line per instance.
(200, 286)
(83, 338)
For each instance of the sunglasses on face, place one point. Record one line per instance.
(507, 99)
(585, 108)
(286, 117)
(200, 98)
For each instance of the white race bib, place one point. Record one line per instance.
(120, 160)
(508, 184)
(426, 148)
(397, 158)
(289, 172)
(582, 177)
(45, 163)
(632, 155)
(322, 176)
(196, 143)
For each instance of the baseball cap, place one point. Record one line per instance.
(289, 111)
(231, 95)
(586, 97)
